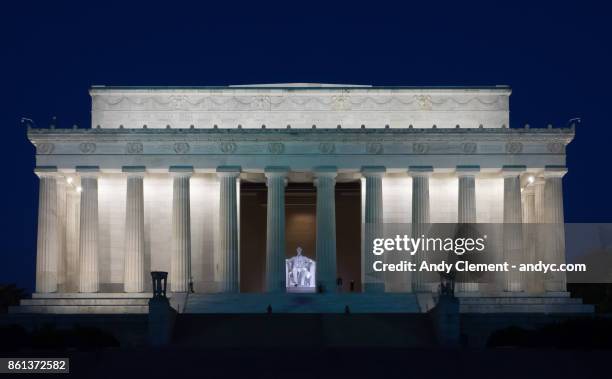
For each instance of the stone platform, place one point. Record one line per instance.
(302, 303)
(245, 303)
(518, 302)
(85, 303)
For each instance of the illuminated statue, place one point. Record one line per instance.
(300, 271)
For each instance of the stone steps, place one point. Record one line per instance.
(84, 303)
(302, 303)
(523, 304)
(79, 309)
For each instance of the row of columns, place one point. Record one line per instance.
(180, 270)
(547, 206)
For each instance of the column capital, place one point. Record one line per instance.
(512, 170)
(88, 171)
(529, 190)
(180, 171)
(373, 171)
(467, 170)
(554, 171)
(229, 171)
(420, 170)
(325, 171)
(134, 171)
(276, 171)
(46, 171)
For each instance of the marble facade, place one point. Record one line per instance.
(154, 183)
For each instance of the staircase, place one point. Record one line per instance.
(302, 303)
(85, 303)
(521, 303)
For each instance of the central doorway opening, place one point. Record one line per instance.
(300, 230)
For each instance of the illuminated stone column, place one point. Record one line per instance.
(180, 263)
(420, 218)
(553, 216)
(275, 237)
(133, 262)
(530, 230)
(61, 233)
(373, 219)
(47, 241)
(513, 228)
(88, 230)
(228, 228)
(466, 214)
(325, 181)
(72, 239)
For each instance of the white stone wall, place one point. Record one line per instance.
(489, 199)
(111, 211)
(324, 106)
(397, 198)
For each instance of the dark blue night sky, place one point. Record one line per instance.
(556, 57)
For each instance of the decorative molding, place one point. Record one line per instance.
(181, 147)
(311, 141)
(87, 147)
(469, 147)
(424, 101)
(276, 148)
(555, 147)
(227, 147)
(420, 148)
(374, 148)
(45, 148)
(327, 147)
(341, 101)
(514, 147)
(134, 148)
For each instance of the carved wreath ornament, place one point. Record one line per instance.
(181, 147)
(87, 147)
(514, 147)
(420, 148)
(45, 148)
(227, 147)
(469, 147)
(327, 147)
(134, 148)
(374, 148)
(276, 148)
(555, 147)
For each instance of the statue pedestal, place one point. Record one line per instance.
(446, 321)
(301, 289)
(161, 321)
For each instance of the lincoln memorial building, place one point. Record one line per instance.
(252, 195)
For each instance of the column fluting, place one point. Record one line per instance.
(466, 214)
(133, 264)
(88, 231)
(555, 227)
(420, 219)
(373, 281)
(228, 228)
(325, 181)
(276, 179)
(47, 241)
(180, 264)
(530, 230)
(513, 228)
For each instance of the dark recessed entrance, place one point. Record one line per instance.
(300, 230)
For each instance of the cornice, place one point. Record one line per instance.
(134, 142)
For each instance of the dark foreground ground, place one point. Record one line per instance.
(336, 363)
